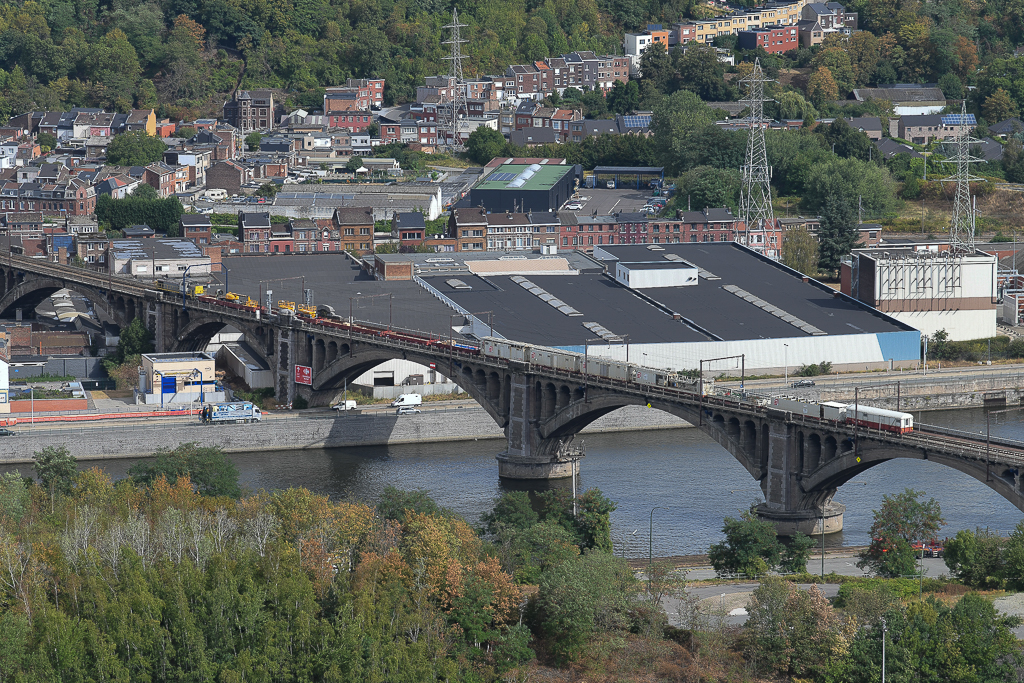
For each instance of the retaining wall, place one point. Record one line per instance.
(922, 394)
(292, 432)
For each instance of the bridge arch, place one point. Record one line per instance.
(480, 382)
(848, 464)
(27, 293)
(743, 440)
(196, 329)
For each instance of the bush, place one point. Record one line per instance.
(815, 369)
(394, 503)
(751, 547)
(299, 403)
(209, 470)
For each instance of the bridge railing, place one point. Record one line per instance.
(82, 275)
(974, 436)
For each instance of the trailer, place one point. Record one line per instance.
(230, 413)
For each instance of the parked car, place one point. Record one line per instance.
(610, 184)
(407, 410)
(573, 206)
(803, 383)
(6, 432)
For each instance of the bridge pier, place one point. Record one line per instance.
(789, 522)
(528, 455)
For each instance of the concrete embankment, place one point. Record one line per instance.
(294, 431)
(939, 394)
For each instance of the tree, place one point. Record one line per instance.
(135, 148)
(902, 520)
(185, 132)
(354, 164)
(999, 107)
(14, 496)
(134, 340)
(821, 87)
(46, 141)
(484, 144)
(951, 87)
(679, 121)
(701, 73)
(396, 504)
(56, 468)
(976, 558)
(704, 187)
(513, 511)
(252, 141)
(800, 251)
(624, 98)
(837, 61)
(267, 190)
(1013, 160)
(796, 553)
(751, 546)
(846, 140)
(207, 468)
(837, 234)
(582, 597)
(851, 180)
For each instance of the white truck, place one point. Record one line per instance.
(230, 413)
(345, 405)
(407, 400)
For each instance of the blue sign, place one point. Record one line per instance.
(169, 385)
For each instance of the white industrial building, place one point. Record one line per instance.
(928, 290)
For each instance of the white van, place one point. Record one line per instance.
(345, 405)
(217, 195)
(407, 400)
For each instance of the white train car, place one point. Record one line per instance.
(831, 410)
(609, 369)
(880, 418)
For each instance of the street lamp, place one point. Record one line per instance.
(885, 629)
(785, 356)
(194, 371)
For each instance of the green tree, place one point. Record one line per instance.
(513, 511)
(252, 141)
(998, 106)
(680, 119)
(796, 553)
(768, 646)
(1014, 556)
(837, 234)
(624, 98)
(582, 597)
(14, 495)
(951, 87)
(837, 61)
(266, 190)
(394, 503)
(701, 73)
(484, 144)
(902, 520)
(846, 140)
(703, 187)
(185, 132)
(135, 148)
(56, 469)
(210, 471)
(134, 340)
(1013, 160)
(354, 164)
(800, 251)
(751, 546)
(47, 141)
(852, 181)
(976, 558)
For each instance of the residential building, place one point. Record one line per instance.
(354, 226)
(775, 40)
(358, 94)
(254, 232)
(869, 125)
(923, 129)
(469, 227)
(520, 231)
(251, 110)
(91, 248)
(228, 175)
(408, 227)
(908, 99)
(166, 180)
(196, 227)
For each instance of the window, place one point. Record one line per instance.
(349, 231)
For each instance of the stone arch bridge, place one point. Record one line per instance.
(799, 461)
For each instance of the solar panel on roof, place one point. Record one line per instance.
(955, 120)
(634, 121)
(503, 177)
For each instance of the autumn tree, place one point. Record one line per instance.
(822, 88)
(999, 107)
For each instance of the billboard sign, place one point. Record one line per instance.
(303, 374)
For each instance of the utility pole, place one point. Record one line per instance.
(456, 87)
(961, 224)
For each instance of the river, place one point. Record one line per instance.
(680, 469)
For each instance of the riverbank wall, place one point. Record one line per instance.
(294, 431)
(996, 390)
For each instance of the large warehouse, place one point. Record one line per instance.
(668, 306)
(520, 188)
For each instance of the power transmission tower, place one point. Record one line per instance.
(456, 98)
(961, 225)
(756, 194)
